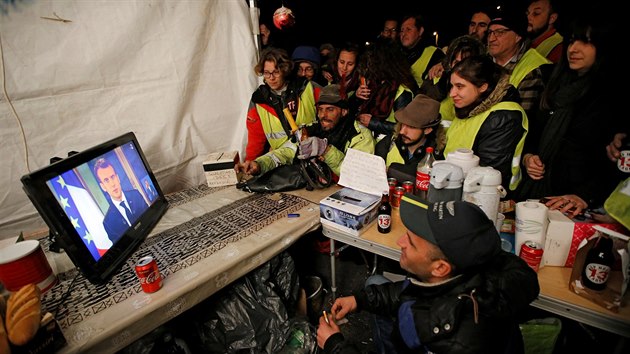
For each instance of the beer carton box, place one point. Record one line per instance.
(353, 209)
(219, 168)
(564, 236)
(617, 284)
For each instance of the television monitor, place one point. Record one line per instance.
(99, 204)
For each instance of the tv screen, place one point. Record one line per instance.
(99, 204)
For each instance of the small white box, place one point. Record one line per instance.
(349, 210)
(219, 168)
(558, 239)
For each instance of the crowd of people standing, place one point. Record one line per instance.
(531, 100)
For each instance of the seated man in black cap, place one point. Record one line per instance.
(463, 293)
(418, 127)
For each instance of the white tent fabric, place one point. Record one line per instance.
(177, 73)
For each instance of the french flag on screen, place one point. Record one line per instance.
(83, 212)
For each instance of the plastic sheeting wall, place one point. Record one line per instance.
(177, 73)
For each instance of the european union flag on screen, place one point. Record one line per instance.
(82, 211)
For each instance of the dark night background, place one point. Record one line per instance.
(338, 21)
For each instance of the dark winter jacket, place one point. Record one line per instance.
(475, 312)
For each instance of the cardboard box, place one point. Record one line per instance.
(349, 210)
(219, 168)
(564, 236)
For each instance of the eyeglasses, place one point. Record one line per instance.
(268, 74)
(499, 32)
(389, 30)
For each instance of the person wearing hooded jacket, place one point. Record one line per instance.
(489, 120)
(463, 294)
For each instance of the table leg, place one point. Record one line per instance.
(333, 285)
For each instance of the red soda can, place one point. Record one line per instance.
(392, 182)
(149, 274)
(396, 197)
(408, 186)
(531, 253)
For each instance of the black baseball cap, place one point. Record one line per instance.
(461, 230)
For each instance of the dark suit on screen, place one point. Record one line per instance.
(114, 222)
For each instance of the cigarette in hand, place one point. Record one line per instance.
(326, 317)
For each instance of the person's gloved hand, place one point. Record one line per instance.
(312, 147)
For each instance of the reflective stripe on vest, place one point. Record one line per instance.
(272, 126)
(420, 65)
(462, 134)
(528, 62)
(546, 46)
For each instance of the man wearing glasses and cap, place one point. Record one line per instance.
(418, 127)
(463, 293)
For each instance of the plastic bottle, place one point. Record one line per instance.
(384, 219)
(423, 173)
(598, 263)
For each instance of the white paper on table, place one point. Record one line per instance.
(364, 172)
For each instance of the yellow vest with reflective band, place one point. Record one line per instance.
(394, 156)
(462, 134)
(420, 65)
(529, 61)
(546, 46)
(399, 91)
(272, 126)
(618, 203)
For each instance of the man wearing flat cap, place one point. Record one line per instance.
(509, 48)
(463, 293)
(336, 131)
(418, 127)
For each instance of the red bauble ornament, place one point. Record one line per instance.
(283, 18)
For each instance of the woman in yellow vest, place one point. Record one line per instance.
(267, 126)
(488, 118)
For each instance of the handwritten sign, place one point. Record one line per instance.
(364, 172)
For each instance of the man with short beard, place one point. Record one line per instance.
(541, 28)
(418, 127)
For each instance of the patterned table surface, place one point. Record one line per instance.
(207, 239)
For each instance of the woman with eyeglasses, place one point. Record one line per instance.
(566, 150)
(267, 125)
(489, 120)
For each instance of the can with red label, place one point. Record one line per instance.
(149, 274)
(531, 253)
(408, 185)
(392, 182)
(396, 197)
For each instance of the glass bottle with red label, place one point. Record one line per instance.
(384, 219)
(598, 263)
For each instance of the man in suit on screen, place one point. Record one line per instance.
(125, 207)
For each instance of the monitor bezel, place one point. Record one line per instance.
(96, 271)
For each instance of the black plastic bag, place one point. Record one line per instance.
(311, 173)
(252, 314)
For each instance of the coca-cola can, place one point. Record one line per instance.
(531, 253)
(408, 186)
(149, 274)
(392, 182)
(396, 197)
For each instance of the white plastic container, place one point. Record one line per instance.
(482, 187)
(464, 158)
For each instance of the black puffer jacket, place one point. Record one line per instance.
(443, 318)
(499, 134)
